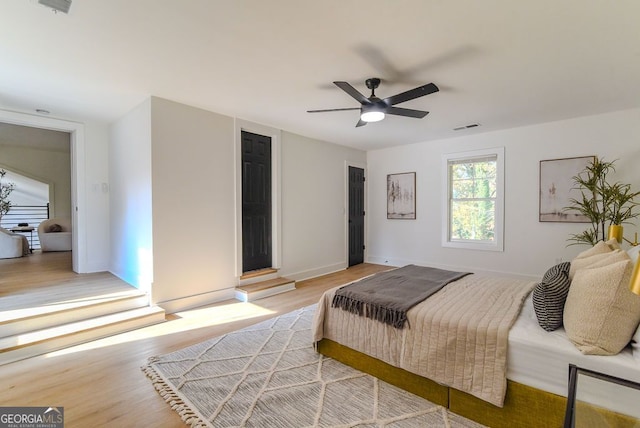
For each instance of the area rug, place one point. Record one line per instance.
(269, 375)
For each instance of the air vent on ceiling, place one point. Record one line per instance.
(471, 125)
(57, 5)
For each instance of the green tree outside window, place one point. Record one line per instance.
(473, 199)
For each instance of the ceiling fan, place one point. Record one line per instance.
(373, 109)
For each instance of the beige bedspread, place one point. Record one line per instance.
(458, 337)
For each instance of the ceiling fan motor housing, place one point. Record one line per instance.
(372, 83)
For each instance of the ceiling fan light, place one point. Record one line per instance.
(372, 116)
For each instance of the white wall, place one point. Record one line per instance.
(314, 211)
(28, 191)
(530, 246)
(173, 171)
(42, 155)
(96, 192)
(193, 204)
(130, 208)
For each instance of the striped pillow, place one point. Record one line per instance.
(550, 295)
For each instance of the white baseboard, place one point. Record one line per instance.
(190, 302)
(313, 273)
(388, 261)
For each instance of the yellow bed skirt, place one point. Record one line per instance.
(524, 406)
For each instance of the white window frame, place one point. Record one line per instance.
(498, 243)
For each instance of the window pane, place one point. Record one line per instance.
(461, 171)
(472, 204)
(462, 189)
(485, 169)
(473, 220)
(484, 188)
(474, 200)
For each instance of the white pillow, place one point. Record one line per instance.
(633, 253)
(614, 244)
(599, 248)
(597, 260)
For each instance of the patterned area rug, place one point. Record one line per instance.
(268, 375)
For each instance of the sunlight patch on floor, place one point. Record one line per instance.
(187, 320)
(229, 312)
(28, 308)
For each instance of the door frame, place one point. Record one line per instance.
(362, 166)
(78, 176)
(276, 189)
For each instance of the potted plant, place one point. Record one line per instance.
(5, 191)
(622, 209)
(606, 205)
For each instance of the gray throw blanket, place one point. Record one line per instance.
(387, 296)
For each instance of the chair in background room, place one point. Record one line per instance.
(55, 234)
(12, 245)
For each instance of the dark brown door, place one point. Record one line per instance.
(256, 202)
(356, 215)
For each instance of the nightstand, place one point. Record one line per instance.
(601, 400)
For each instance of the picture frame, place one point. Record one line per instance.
(557, 188)
(401, 196)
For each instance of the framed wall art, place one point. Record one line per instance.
(557, 188)
(401, 196)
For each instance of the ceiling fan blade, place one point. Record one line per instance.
(418, 114)
(420, 91)
(361, 123)
(333, 109)
(353, 92)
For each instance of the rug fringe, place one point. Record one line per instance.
(176, 403)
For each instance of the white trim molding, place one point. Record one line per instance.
(78, 194)
(276, 189)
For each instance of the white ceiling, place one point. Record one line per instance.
(501, 63)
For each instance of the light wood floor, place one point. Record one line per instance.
(101, 384)
(40, 271)
(44, 280)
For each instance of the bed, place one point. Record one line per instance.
(531, 388)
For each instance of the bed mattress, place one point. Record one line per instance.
(541, 359)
